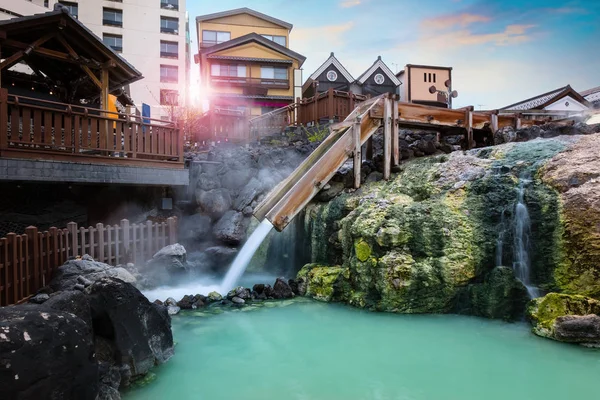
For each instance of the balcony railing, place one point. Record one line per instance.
(210, 43)
(252, 82)
(112, 22)
(169, 6)
(169, 54)
(173, 31)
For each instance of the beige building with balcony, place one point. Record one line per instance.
(152, 35)
(415, 81)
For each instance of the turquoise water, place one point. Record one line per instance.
(321, 351)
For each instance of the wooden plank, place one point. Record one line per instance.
(357, 153)
(32, 234)
(172, 223)
(494, 122)
(5, 261)
(387, 139)
(92, 242)
(68, 119)
(133, 248)
(148, 240)
(82, 241)
(47, 137)
(101, 242)
(142, 245)
(3, 119)
(469, 127)
(126, 241)
(37, 126)
(103, 135)
(15, 122)
(395, 133)
(21, 268)
(117, 245)
(26, 124)
(58, 140)
(109, 244)
(14, 267)
(409, 112)
(54, 263)
(72, 227)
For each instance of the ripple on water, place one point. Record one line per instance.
(321, 351)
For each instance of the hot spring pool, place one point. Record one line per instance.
(309, 350)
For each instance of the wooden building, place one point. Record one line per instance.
(563, 102)
(331, 74)
(378, 79)
(592, 96)
(245, 61)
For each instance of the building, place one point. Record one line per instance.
(564, 101)
(153, 36)
(592, 96)
(376, 80)
(246, 63)
(416, 81)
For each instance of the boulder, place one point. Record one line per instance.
(330, 191)
(186, 302)
(237, 179)
(247, 195)
(172, 258)
(324, 283)
(282, 290)
(238, 301)
(71, 301)
(240, 292)
(214, 297)
(46, 355)
(231, 228)
(208, 182)
(71, 273)
(197, 227)
(547, 315)
(214, 202)
(137, 330)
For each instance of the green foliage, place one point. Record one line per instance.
(316, 133)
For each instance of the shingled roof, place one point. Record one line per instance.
(545, 99)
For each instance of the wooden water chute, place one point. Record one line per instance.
(347, 138)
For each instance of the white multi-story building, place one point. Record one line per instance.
(152, 35)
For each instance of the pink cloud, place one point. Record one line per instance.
(444, 22)
(349, 3)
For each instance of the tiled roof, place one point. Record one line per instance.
(237, 58)
(332, 60)
(378, 64)
(537, 101)
(592, 95)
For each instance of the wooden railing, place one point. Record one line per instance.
(331, 105)
(254, 82)
(273, 122)
(28, 261)
(34, 128)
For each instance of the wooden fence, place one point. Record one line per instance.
(332, 105)
(40, 129)
(28, 261)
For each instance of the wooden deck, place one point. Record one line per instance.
(31, 128)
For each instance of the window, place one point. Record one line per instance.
(430, 77)
(433, 78)
(169, 4)
(277, 39)
(228, 70)
(115, 42)
(73, 8)
(46, 3)
(112, 17)
(169, 49)
(424, 76)
(169, 97)
(169, 25)
(273, 73)
(215, 37)
(169, 73)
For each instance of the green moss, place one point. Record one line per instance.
(324, 283)
(363, 250)
(543, 311)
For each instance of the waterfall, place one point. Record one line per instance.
(237, 268)
(521, 245)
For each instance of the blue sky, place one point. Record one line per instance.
(501, 51)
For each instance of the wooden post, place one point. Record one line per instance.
(53, 232)
(387, 138)
(104, 89)
(100, 229)
(32, 234)
(148, 246)
(172, 223)
(369, 149)
(315, 119)
(494, 121)
(469, 126)
(351, 97)
(3, 119)
(330, 104)
(72, 227)
(134, 245)
(357, 153)
(518, 121)
(395, 139)
(12, 244)
(109, 245)
(117, 245)
(125, 238)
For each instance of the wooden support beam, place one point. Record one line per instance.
(395, 127)
(18, 56)
(469, 126)
(104, 85)
(356, 128)
(387, 138)
(369, 149)
(494, 122)
(76, 57)
(12, 60)
(518, 121)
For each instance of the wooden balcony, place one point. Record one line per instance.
(250, 82)
(44, 130)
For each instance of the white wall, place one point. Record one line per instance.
(22, 8)
(560, 105)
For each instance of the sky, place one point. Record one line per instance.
(501, 52)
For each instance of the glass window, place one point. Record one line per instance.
(273, 73)
(238, 71)
(169, 97)
(215, 37)
(277, 39)
(169, 25)
(112, 17)
(73, 8)
(115, 42)
(169, 73)
(169, 49)
(169, 4)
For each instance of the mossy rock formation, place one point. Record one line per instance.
(427, 240)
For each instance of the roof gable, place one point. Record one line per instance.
(542, 100)
(332, 61)
(591, 95)
(256, 38)
(245, 10)
(384, 68)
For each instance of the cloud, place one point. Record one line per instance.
(444, 22)
(349, 3)
(315, 37)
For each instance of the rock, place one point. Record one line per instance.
(71, 273)
(71, 301)
(214, 202)
(106, 392)
(501, 296)
(214, 296)
(281, 289)
(220, 257)
(198, 304)
(173, 310)
(170, 302)
(258, 288)
(237, 179)
(238, 301)
(293, 285)
(326, 194)
(578, 329)
(172, 258)
(39, 298)
(544, 313)
(208, 182)
(268, 292)
(46, 355)
(241, 292)
(322, 283)
(247, 211)
(197, 227)
(247, 195)
(231, 228)
(138, 330)
(186, 302)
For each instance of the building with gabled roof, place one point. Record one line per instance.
(378, 79)
(331, 74)
(562, 99)
(246, 64)
(593, 96)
